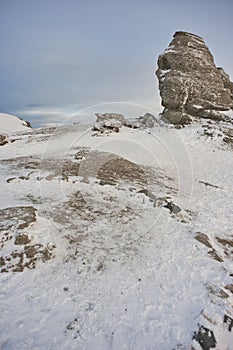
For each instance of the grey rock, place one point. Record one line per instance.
(149, 120)
(190, 84)
(108, 122)
(146, 121)
(176, 117)
(109, 116)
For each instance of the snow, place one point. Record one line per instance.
(170, 50)
(197, 106)
(164, 71)
(10, 123)
(138, 280)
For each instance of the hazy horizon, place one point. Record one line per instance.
(59, 57)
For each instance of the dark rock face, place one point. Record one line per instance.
(28, 124)
(3, 140)
(190, 84)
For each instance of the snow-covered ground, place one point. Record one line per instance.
(120, 241)
(10, 124)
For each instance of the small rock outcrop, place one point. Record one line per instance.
(142, 122)
(109, 122)
(3, 140)
(190, 84)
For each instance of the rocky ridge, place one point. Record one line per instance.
(108, 122)
(190, 84)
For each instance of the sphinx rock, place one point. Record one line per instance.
(190, 84)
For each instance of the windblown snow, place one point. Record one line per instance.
(119, 241)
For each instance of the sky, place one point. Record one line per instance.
(59, 57)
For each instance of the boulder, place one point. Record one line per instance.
(146, 121)
(108, 122)
(190, 84)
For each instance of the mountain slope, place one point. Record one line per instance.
(10, 123)
(122, 241)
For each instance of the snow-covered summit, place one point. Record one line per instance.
(10, 123)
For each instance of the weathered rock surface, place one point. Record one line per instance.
(146, 121)
(109, 116)
(108, 122)
(190, 83)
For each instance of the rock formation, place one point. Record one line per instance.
(142, 122)
(108, 122)
(189, 82)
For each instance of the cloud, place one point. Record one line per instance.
(55, 55)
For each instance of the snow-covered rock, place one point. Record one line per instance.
(146, 121)
(108, 122)
(10, 123)
(113, 122)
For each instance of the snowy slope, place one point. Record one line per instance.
(10, 123)
(93, 253)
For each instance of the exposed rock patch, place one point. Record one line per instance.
(19, 249)
(108, 121)
(111, 122)
(146, 121)
(190, 83)
(26, 256)
(205, 337)
(16, 218)
(203, 238)
(3, 140)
